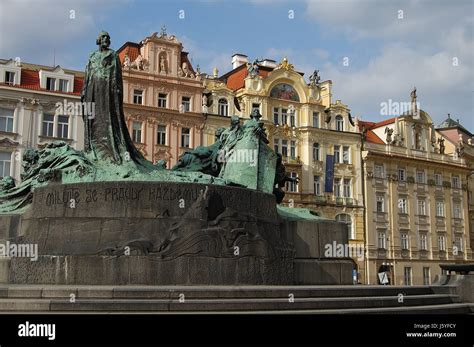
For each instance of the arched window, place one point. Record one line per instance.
(223, 107)
(316, 154)
(346, 218)
(339, 123)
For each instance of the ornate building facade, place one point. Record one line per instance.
(416, 200)
(162, 97)
(38, 104)
(317, 137)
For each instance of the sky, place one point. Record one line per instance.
(374, 51)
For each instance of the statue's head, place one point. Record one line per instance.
(256, 114)
(103, 40)
(234, 120)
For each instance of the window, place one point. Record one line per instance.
(378, 171)
(186, 102)
(457, 211)
(382, 240)
(442, 243)
(402, 175)
(276, 145)
(346, 218)
(284, 116)
(50, 83)
(339, 123)
(63, 127)
(380, 203)
(317, 185)
(402, 206)
(404, 241)
(275, 115)
(347, 188)
(316, 119)
(455, 182)
(284, 148)
(337, 187)
(9, 77)
(185, 137)
(161, 135)
(422, 207)
(255, 106)
(458, 243)
(439, 209)
(48, 125)
(423, 242)
(316, 151)
(337, 153)
(5, 163)
(137, 131)
(162, 98)
(420, 177)
(293, 118)
(293, 149)
(407, 275)
(138, 96)
(63, 85)
(223, 108)
(6, 120)
(345, 154)
(426, 276)
(438, 179)
(292, 186)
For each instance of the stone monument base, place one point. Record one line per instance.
(152, 233)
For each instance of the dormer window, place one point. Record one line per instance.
(56, 80)
(10, 72)
(10, 77)
(339, 123)
(50, 83)
(63, 85)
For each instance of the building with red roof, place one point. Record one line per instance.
(29, 114)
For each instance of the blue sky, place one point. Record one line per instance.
(388, 54)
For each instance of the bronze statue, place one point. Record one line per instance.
(106, 134)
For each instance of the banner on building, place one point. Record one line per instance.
(328, 183)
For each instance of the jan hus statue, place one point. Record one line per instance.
(106, 134)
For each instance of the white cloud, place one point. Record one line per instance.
(416, 50)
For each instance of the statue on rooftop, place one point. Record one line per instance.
(314, 78)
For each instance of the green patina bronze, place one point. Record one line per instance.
(240, 155)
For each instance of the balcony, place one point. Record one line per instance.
(339, 201)
(291, 160)
(349, 201)
(320, 199)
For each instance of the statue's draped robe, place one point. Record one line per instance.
(106, 134)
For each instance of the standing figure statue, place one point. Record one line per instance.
(106, 134)
(441, 144)
(314, 78)
(253, 69)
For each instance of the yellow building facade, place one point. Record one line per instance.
(416, 199)
(304, 125)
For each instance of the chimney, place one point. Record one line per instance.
(269, 63)
(239, 59)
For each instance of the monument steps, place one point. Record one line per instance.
(222, 299)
